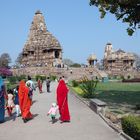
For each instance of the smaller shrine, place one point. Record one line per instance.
(92, 60)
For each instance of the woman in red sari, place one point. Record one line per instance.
(24, 101)
(62, 101)
(39, 85)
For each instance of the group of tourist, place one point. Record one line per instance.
(21, 99)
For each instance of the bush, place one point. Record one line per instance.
(10, 86)
(74, 83)
(88, 87)
(137, 107)
(12, 79)
(53, 77)
(128, 77)
(41, 77)
(5, 72)
(131, 126)
(21, 77)
(122, 77)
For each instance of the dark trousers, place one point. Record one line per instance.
(48, 88)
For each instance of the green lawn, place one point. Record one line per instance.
(117, 95)
(122, 93)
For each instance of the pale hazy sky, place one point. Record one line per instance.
(74, 23)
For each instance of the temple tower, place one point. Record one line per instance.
(41, 47)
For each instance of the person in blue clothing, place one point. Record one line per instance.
(16, 101)
(2, 100)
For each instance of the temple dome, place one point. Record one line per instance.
(92, 57)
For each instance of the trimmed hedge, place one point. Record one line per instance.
(131, 126)
(74, 83)
(53, 77)
(41, 77)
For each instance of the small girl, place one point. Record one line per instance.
(10, 103)
(53, 111)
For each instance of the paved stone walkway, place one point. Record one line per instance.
(84, 125)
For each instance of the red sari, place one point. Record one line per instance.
(62, 101)
(24, 100)
(39, 85)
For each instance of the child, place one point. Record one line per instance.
(16, 102)
(30, 91)
(10, 103)
(53, 111)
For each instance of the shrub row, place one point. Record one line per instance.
(131, 126)
(15, 79)
(43, 77)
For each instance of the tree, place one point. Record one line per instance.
(137, 60)
(76, 65)
(67, 62)
(126, 10)
(5, 59)
(19, 59)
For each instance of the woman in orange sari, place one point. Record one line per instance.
(24, 101)
(62, 101)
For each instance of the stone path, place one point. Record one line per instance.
(84, 125)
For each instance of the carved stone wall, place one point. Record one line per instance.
(118, 62)
(41, 47)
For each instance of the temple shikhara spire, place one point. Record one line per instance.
(41, 47)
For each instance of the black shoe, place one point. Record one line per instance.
(2, 121)
(24, 120)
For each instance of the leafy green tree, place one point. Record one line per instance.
(126, 10)
(76, 65)
(5, 59)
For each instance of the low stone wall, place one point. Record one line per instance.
(70, 74)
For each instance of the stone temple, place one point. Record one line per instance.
(41, 47)
(118, 61)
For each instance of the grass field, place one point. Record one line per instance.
(120, 97)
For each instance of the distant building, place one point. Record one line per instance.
(41, 47)
(117, 61)
(92, 60)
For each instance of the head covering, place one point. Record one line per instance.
(53, 104)
(1, 83)
(22, 85)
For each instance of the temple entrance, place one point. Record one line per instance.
(56, 54)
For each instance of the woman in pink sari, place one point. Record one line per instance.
(62, 101)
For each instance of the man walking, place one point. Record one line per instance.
(48, 81)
